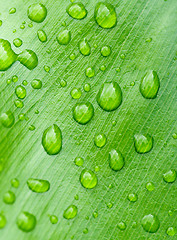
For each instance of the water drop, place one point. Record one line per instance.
(122, 225)
(21, 116)
(90, 72)
(77, 10)
(143, 143)
(76, 197)
(22, 26)
(122, 56)
(149, 85)
(84, 47)
(88, 179)
(72, 56)
(12, 10)
(87, 87)
(2, 221)
(28, 58)
(150, 186)
(37, 12)
(174, 135)
(116, 160)
(100, 140)
(31, 127)
(109, 205)
(95, 214)
(109, 96)
(170, 176)
(25, 83)
(97, 168)
(30, 25)
(53, 219)
(105, 15)
(149, 39)
(118, 69)
(103, 68)
(79, 161)
(18, 103)
(36, 84)
(9, 81)
(42, 36)
(7, 119)
(85, 231)
(64, 37)
(9, 197)
(26, 221)
(15, 183)
(0, 23)
(15, 78)
(76, 93)
(17, 42)
(105, 51)
(70, 212)
(132, 197)
(52, 140)
(83, 112)
(38, 185)
(20, 92)
(46, 68)
(63, 83)
(150, 223)
(171, 231)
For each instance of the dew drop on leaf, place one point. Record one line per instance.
(17, 42)
(77, 10)
(88, 179)
(28, 58)
(150, 186)
(76, 93)
(64, 37)
(70, 212)
(15, 183)
(26, 221)
(83, 112)
(7, 119)
(79, 161)
(18, 103)
(37, 12)
(106, 51)
(90, 72)
(36, 84)
(121, 225)
(171, 231)
(20, 92)
(143, 143)
(9, 197)
(116, 160)
(150, 223)
(38, 185)
(84, 47)
(132, 197)
(100, 140)
(170, 176)
(42, 36)
(53, 219)
(3, 221)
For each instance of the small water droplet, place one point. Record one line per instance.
(42, 36)
(77, 10)
(64, 37)
(15, 78)
(97, 168)
(132, 84)
(114, 123)
(36, 84)
(174, 135)
(63, 83)
(149, 39)
(85, 231)
(100, 140)
(37, 12)
(0, 23)
(9, 81)
(109, 205)
(143, 143)
(76, 93)
(53, 219)
(79, 161)
(52, 140)
(17, 42)
(95, 214)
(116, 160)
(90, 72)
(7, 119)
(22, 26)
(83, 112)
(18, 103)
(84, 47)
(111, 186)
(38, 185)
(87, 87)
(30, 25)
(26, 221)
(171, 231)
(106, 51)
(122, 56)
(31, 127)
(88, 179)
(46, 68)
(21, 116)
(122, 225)
(3, 221)
(72, 56)
(76, 197)
(15, 183)
(150, 223)
(25, 83)
(12, 10)
(28, 58)
(170, 212)
(70, 212)
(170, 176)
(132, 197)
(9, 197)
(103, 68)
(118, 69)
(150, 186)
(20, 92)
(134, 224)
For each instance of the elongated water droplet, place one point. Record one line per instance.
(122, 225)
(20, 92)
(87, 87)
(76, 93)
(100, 140)
(109, 96)
(116, 160)
(38, 185)
(17, 42)
(28, 58)
(105, 51)
(84, 47)
(2, 221)
(77, 10)
(79, 161)
(37, 12)
(95, 214)
(150, 223)
(42, 36)
(7, 55)
(88, 179)
(105, 15)
(83, 112)
(15, 183)
(90, 72)
(12, 10)
(170, 176)
(143, 143)
(26, 221)
(36, 84)
(64, 37)
(46, 68)
(52, 140)
(70, 212)
(132, 197)
(150, 186)
(9, 197)
(171, 231)
(53, 219)
(149, 85)
(7, 119)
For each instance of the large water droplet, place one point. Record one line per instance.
(143, 143)
(37, 12)
(132, 197)
(20, 92)
(88, 179)
(28, 58)
(116, 160)
(7, 55)
(52, 140)
(38, 185)
(26, 221)
(77, 10)
(105, 15)
(36, 84)
(150, 223)
(170, 176)
(109, 96)
(64, 37)
(70, 212)
(83, 112)
(149, 85)
(100, 140)
(76, 93)
(84, 47)
(9, 197)
(2, 221)
(42, 36)
(7, 119)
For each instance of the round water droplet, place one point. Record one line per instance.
(109, 96)
(85, 231)
(28, 58)
(171, 231)
(105, 51)
(70, 212)
(37, 12)
(100, 140)
(90, 72)
(143, 143)
(38, 185)
(76, 93)
(105, 15)
(12, 10)
(174, 135)
(122, 225)
(170, 176)
(18, 103)
(150, 223)
(42, 36)
(7, 119)
(132, 197)
(25, 83)
(134, 224)
(77, 10)
(2, 221)
(46, 68)
(63, 83)
(79, 161)
(149, 85)
(87, 87)
(36, 84)
(118, 69)
(103, 68)
(95, 214)
(72, 56)
(52, 140)
(20, 92)
(17, 42)
(84, 47)
(122, 56)
(9, 197)
(109, 205)
(88, 179)
(150, 186)
(9, 81)
(83, 112)
(116, 160)
(53, 219)
(64, 37)
(15, 78)
(15, 183)
(22, 26)
(149, 39)
(26, 221)
(7, 55)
